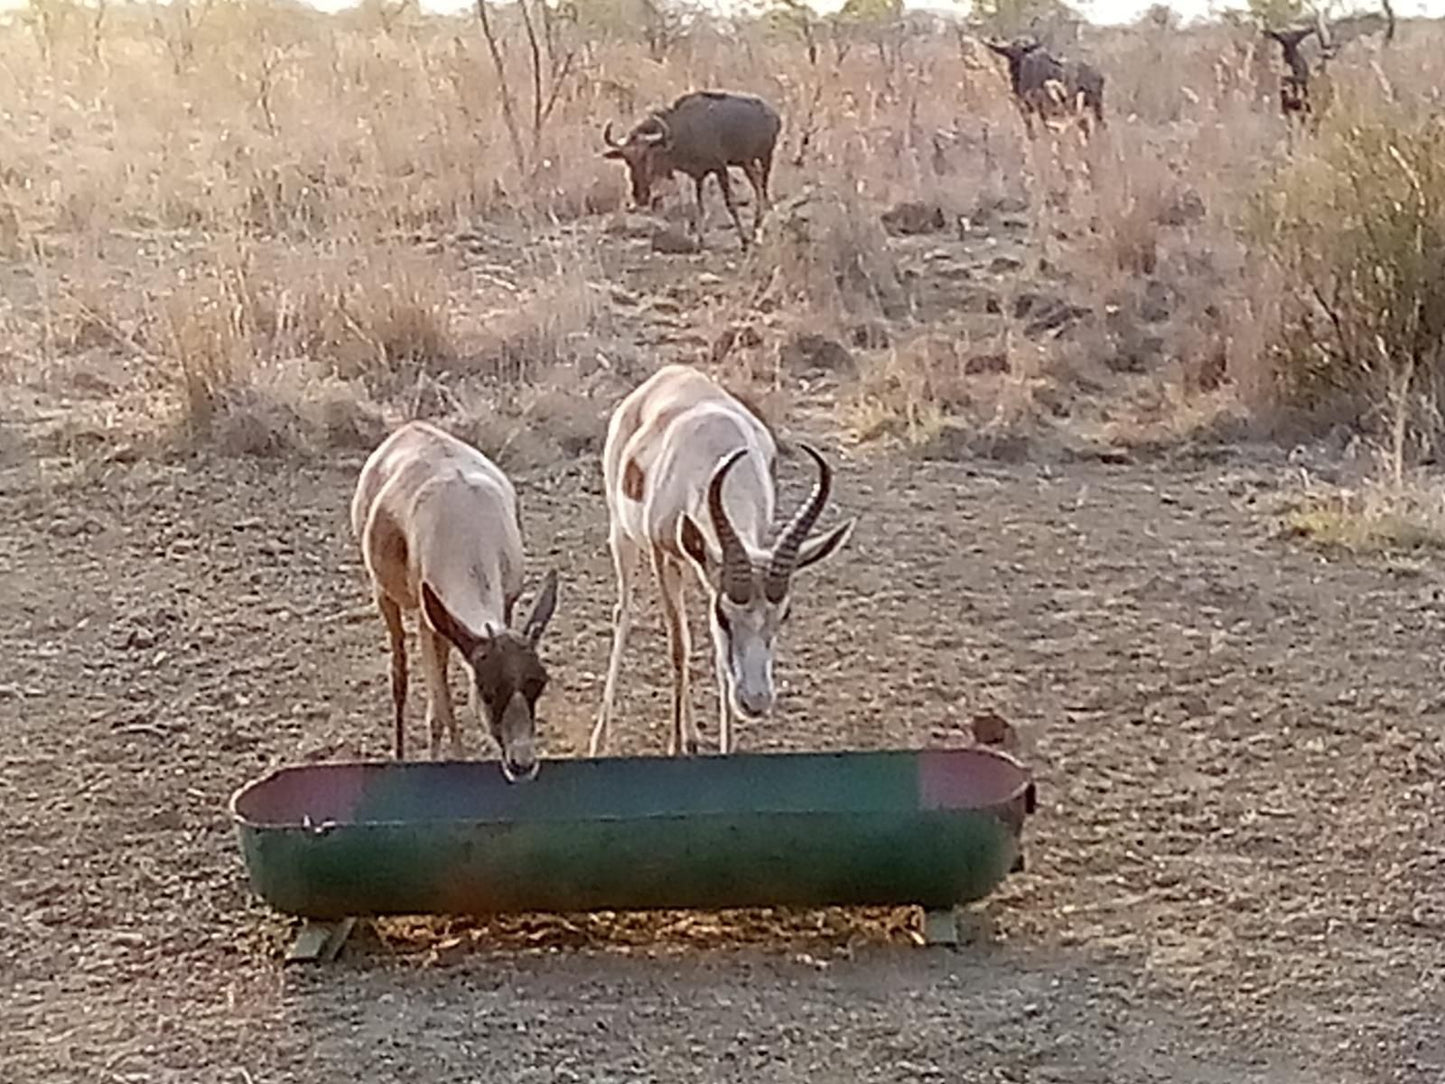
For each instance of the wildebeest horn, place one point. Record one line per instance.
(661, 133)
(737, 579)
(785, 553)
(607, 136)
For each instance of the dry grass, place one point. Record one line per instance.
(256, 224)
(1374, 519)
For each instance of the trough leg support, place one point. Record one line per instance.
(319, 941)
(940, 927)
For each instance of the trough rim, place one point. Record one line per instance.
(1017, 794)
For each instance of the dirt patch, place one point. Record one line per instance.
(1234, 873)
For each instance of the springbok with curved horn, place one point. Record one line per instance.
(689, 475)
(437, 524)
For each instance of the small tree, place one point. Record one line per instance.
(552, 57)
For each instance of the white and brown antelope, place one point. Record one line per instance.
(437, 524)
(689, 475)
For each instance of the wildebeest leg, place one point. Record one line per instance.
(697, 209)
(757, 172)
(396, 633)
(671, 587)
(727, 191)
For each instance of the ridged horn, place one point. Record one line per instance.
(785, 553)
(737, 578)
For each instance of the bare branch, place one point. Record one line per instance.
(536, 53)
(509, 112)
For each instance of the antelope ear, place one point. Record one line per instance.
(821, 546)
(542, 609)
(693, 544)
(612, 152)
(441, 619)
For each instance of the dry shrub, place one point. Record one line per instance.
(528, 427)
(1357, 228)
(301, 145)
(1370, 519)
(947, 395)
(531, 332)
(899, 396)
(295, 406)
(828, 252)
(245, 347)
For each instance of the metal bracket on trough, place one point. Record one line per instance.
(319, 941)
(940, 927)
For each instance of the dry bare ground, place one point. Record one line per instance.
(239, 243)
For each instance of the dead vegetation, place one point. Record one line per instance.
(258, 225)
(1368, 522)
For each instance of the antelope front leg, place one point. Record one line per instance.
(725, 713)
(671, 587)
(396, 635)
(624, 557)
(439, 717)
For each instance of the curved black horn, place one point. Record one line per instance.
(607, 136)
(785, 553)
(737, 578)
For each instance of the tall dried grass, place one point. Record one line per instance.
(250, 199)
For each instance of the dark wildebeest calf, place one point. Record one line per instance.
(1047, 87)
(702, 134)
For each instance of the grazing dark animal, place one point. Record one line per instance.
(1300, 97)
(702, 134)
(1051, 89)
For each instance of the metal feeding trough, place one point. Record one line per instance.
(936, 828)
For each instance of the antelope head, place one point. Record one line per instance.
(750, 590)
(507, 675)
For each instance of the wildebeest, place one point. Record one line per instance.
(701, 134)
(1297, 100)
(1047, 87)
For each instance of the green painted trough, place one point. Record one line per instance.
(931, 827)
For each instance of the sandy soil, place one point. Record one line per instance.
(1235, 873)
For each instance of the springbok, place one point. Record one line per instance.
(689, 472)
(437, 525)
